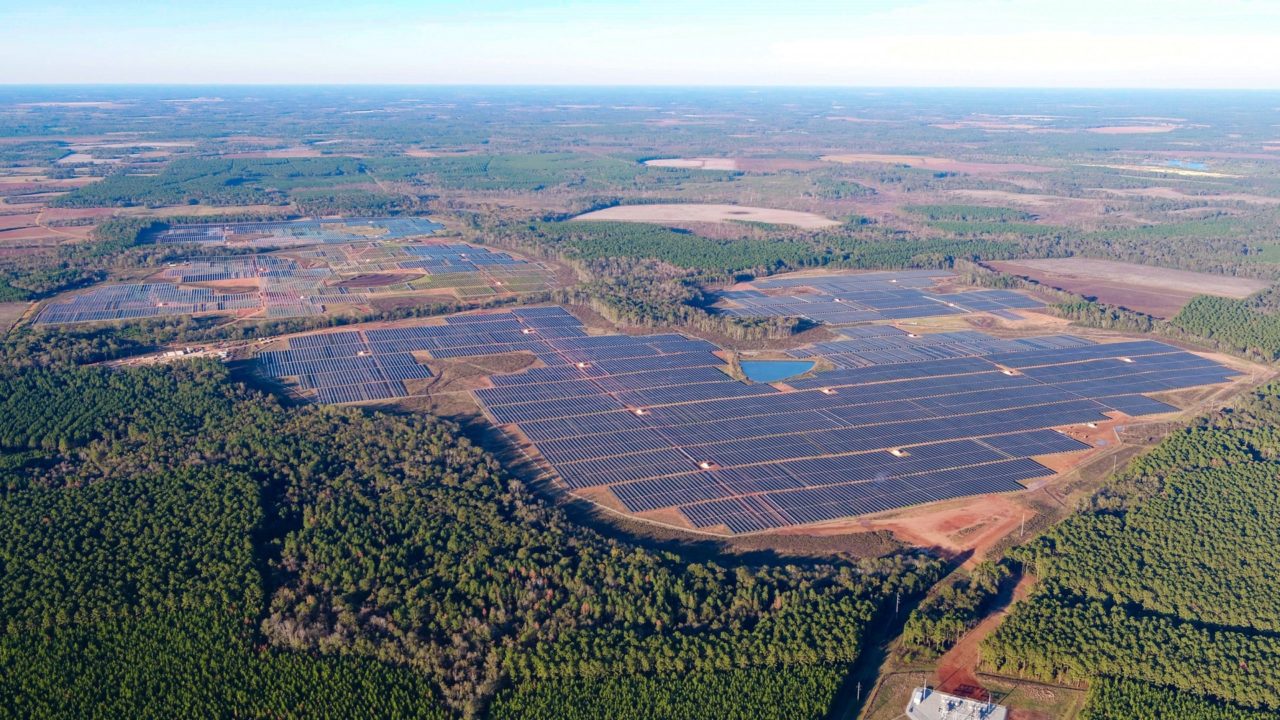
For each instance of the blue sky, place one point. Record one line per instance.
(968, 43)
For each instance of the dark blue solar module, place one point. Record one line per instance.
(903, 419)
(866, 297)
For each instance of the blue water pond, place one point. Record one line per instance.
(767, 371)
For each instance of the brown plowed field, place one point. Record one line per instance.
(1160, 292)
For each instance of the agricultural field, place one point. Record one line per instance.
(1159, 292)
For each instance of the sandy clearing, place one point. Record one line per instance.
(935, 163)
(1162, 169)
(1133, 129)
(683, 213)
(985, 125)
(697, 163)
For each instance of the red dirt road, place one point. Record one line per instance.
(957, 669)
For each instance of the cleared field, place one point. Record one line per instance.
(695, 163)
(1133, 129)
(681, 213)
(10, 312)
(1166, 169)
(936, 163)
(1156, 291)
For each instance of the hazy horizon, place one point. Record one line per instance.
(984, 44)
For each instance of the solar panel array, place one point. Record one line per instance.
(655, 421)
(298, 232)
(146, 300)
(470, 270)
(288, 289)
(866, 297)
(883, 344)
(343, 367)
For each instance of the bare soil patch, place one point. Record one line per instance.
(968, 525)
(699, 163)
(1133, 129)
(25, 233)
(10, 313)
(936, 163)
(14, 222)
(1156, 291)
(684, 213)
(1166, 169)
(776, 164)
(59, 214)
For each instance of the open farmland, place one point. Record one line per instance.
(1160, 292)
(653, 425)
(700, 213)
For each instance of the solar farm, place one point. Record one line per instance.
(297, 232)
(657, 424)
(306, 281)
(867, 297)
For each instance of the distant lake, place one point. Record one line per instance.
(766, 371)
(1187, 165)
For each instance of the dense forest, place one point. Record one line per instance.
(169, 518)
(1170, 576)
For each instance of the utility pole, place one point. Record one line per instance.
(1023, 531)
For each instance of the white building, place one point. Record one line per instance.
(929, 704)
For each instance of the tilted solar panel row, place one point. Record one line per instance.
(741, 514)
(566, 407)
(609, 471)
(804, 506)
(1034, 442)
(556, 428)
(1135, 348)
(642, 495)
